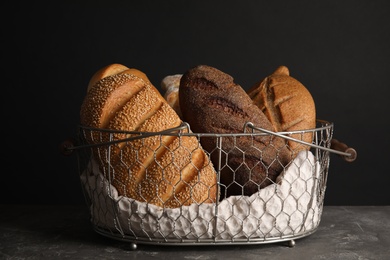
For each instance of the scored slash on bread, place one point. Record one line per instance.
(163, 170)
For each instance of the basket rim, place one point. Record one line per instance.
(179, 130)
(184, 131)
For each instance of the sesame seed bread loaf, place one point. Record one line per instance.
(164, 170)
(288, 105)
(211, 102)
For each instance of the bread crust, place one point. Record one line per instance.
(106, 71)
(288, 105)
(164, 170)
(170, 86)
(211, 102)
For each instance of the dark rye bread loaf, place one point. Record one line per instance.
(211, 102)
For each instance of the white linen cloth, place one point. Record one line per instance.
(289, 207)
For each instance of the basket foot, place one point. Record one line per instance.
(291, 243)
(133, 246)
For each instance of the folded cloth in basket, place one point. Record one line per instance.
(291, 206)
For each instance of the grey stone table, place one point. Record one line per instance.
(64, 232)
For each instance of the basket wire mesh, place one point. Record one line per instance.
(287, 209)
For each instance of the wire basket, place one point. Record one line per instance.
(288, 208)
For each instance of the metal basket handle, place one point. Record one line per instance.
(347, 153)
(68, 146)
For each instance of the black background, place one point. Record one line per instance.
(338, 49)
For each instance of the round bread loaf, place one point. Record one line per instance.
(164, 170)
(211, 102)
(288, 105)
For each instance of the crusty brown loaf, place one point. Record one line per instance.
(211, 102)
(288, 104)
(163, 170)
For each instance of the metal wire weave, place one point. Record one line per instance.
(287, 209)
